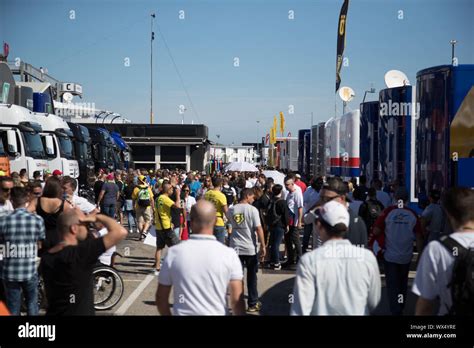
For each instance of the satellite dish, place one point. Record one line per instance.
(67, 97)
(396, 78)
(346, 94)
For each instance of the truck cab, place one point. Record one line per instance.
(102, 149)
(82, 146)
(21, 143)
(57, 142)
(124, 151)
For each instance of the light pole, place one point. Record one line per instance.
(151, 68)
(258, 141)
(453, 43)
(372, 90)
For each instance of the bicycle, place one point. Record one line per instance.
(108, 287)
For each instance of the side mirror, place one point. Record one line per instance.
(11, 138)
(49, 145)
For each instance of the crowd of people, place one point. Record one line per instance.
(338, 236)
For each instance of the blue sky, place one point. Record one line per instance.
(282, 62)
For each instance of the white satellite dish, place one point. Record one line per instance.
(67, 97)
(346, 94)
(396, 78)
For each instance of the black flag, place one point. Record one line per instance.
(341, 40)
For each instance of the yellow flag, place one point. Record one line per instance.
(282, 123)
(275, 123)
(271, 136)
(274, 135)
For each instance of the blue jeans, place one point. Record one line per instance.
(396, 278)
(108, 209)
(276, 235)
(220, 233)
(130, 218)
(251, 262)
(13, 292)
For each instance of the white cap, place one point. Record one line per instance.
(298, 176)
(334, 213)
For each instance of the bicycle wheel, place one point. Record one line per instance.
(108, 287)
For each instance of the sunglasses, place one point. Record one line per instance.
(37, 193)
(4, 189)
(186, 190)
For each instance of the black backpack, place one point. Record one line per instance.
(462, 280)
(229, 195)
(272, 217)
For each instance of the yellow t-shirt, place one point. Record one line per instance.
(163, 207)
(219, 200)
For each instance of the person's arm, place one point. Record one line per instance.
(162, 299)
(424, 306)
(236, 289)
(261, 238)
(116, 232)
(300, 217)
(101, 196)
(375, 287)
(177, 202)
(304, 291)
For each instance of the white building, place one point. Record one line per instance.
(233, 153)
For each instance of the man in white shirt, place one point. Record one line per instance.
(294, 199)
(201, 270)
(338, 278)
(69, 185)
(6, 184)
(435, 269)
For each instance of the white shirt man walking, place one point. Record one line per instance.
(338, 278)
(201, 270)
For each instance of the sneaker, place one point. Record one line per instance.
(157, 272)
(277, 267)
(255, 308)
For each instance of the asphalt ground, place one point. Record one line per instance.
(275, 287)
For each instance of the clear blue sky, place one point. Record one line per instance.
(282, 61)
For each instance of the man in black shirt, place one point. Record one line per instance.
(67, 267)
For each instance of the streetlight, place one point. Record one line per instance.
(151, 68)
(453, 43)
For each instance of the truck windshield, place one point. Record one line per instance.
(84, 151)
(66, 148)
(34, 145)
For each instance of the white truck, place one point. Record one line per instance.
(21, 138)
(56, 135)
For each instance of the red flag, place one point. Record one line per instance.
(6, 49)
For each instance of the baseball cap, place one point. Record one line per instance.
(334, 213)
(57, 172)
(142, 178)
(298, 176)
(110, 177)
(47, 171)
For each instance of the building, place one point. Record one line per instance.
(164, 146)
(233, 153)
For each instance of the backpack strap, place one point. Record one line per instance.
(451, 244)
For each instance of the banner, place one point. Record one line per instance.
(282, 123)
(341, 40)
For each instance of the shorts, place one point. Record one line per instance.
(143, 214)
(166, 237)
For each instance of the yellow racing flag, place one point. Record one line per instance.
(282, 123)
